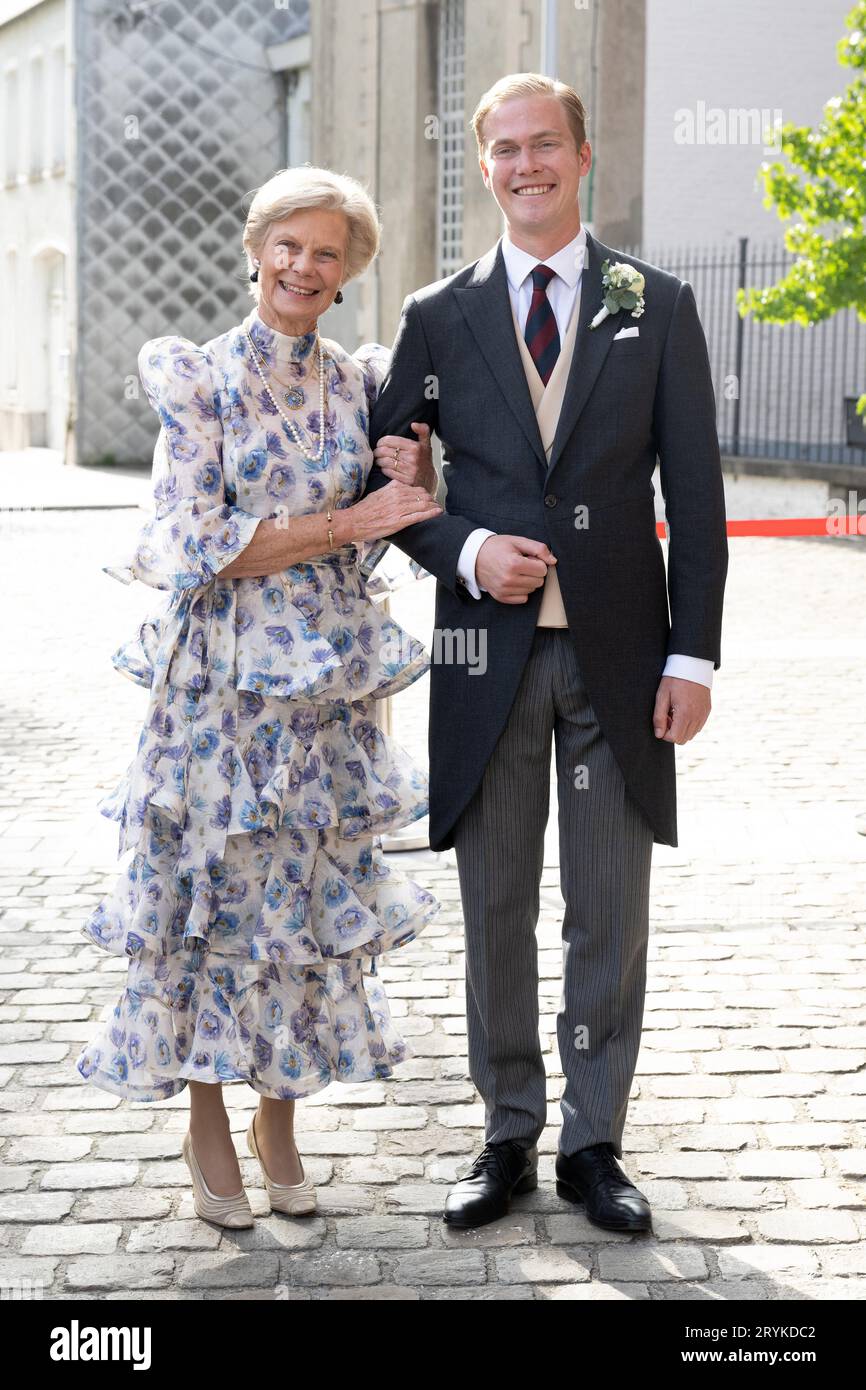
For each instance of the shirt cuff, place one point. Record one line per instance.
(466, 559)
(689, 668)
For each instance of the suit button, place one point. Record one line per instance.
(551, 500)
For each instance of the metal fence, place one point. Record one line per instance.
(780, 389)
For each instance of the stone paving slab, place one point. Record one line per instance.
(747, 1126)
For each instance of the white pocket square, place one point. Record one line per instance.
(627, 333)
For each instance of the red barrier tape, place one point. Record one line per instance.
(849, 525)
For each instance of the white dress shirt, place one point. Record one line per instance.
(563, 293)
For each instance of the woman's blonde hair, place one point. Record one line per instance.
(531, 84)
(305, 186)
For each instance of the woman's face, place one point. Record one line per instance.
(302, 265)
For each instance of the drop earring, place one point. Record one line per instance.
(254, 275)
(338, 297)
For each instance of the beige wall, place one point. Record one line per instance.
(618, 122)
(379, 61)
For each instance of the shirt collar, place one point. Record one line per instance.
(567, 262)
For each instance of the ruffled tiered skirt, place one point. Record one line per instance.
(257, 900)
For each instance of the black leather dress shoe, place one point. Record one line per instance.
(500, 1172)
(594, 1178)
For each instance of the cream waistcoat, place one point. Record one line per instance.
(547, 401)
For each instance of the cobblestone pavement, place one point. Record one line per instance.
(746, 1126)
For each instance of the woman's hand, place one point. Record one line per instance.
(408, 460)
(383, 512)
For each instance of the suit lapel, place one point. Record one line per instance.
(590, 347)
(485, 304)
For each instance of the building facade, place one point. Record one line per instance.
(418, 69)
(154, 122)
(181, 115)
(37, 215)
(135, 131)
(718, 77)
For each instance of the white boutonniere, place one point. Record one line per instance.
(623, 289)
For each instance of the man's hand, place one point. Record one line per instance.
(510, 567)
(682, 709)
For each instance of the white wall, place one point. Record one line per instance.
(763, 54)
(11, 9)
(36, 226)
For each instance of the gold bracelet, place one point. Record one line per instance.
(330, 532)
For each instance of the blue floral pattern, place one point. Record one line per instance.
(257, 899)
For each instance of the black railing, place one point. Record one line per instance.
(780, 389)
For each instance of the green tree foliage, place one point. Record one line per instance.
(828, 199)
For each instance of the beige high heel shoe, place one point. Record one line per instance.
(234, 1212)
(295, 1199)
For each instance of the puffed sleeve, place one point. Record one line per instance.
(194, 532)
(374, 361)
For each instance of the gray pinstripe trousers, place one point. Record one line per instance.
(605, 859)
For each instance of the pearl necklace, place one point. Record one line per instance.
(290, 424)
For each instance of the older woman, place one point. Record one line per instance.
(257, 900)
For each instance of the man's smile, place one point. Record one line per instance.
(534, 190)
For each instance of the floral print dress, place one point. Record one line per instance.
(257, 899)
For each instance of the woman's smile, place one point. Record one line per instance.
(297, 291)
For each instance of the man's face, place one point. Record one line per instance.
(531, 164)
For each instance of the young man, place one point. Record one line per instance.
(551, 423)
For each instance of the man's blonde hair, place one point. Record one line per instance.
(531, 84)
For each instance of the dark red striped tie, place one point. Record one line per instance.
(541, 333)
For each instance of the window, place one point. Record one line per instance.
(9, 321)
(449, 242)
(11, 124)
(57, 146)
(36, 113)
